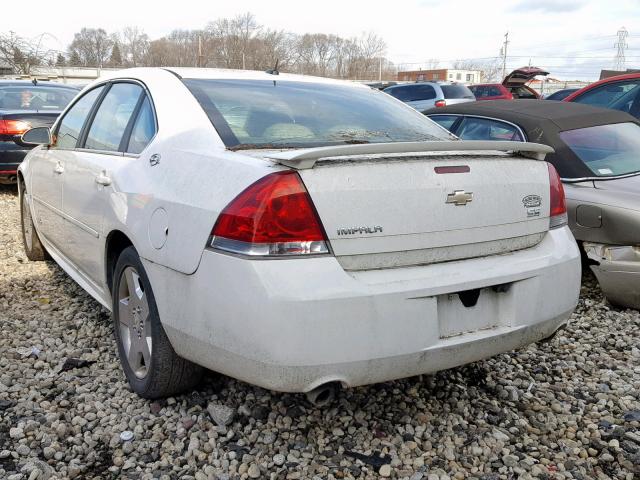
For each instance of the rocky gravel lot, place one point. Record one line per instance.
(566, 409)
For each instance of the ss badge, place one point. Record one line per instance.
(532, 204)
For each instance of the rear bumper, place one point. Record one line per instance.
(617, 271)
(11, 155)
(292, 325)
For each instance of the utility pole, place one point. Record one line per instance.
(503, 53)
(243, 64)
(380, 71)
(199, 62)
(619, 61)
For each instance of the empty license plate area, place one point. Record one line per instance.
(470, 311)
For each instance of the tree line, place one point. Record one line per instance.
(238, 42)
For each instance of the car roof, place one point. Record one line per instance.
(533, 113)
(542, 122)
(25, 83)
(231, 74)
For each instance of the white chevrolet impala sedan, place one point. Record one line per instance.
(293, 232)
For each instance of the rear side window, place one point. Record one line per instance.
(413, 93)
(69, 130)
(144, 128)
(487, 129)
(111, 120)
(457, 91)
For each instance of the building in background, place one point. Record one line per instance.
(613, 73)
(440, 75)
(71, 75)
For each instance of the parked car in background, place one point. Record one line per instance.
(513, 86)
(393, 248)
(424, 95)
(25, 104)
(597, 153)
(621, 92)
(561, 94)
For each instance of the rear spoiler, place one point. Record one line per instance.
(301, 159)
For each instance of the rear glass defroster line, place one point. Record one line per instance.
(215, 117)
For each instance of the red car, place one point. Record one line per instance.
(513, 86)
(621, 92)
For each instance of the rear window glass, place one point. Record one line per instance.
(457, 91)
(282, 114)
(607, 150)
(18, 97)
(413, 93)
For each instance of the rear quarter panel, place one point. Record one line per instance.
(194, 180)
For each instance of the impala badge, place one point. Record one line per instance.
(459, 197)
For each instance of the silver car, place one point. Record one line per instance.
(425, 95)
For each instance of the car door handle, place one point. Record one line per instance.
(103, 179)
(58, 168)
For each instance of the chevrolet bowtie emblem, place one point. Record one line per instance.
(459, 197)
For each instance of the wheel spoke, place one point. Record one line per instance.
(124, 312)
(133, 356)
(132, 284)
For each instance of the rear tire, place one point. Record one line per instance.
(150, 363)
(33, 247)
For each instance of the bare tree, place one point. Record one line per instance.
(135, 46)
(489, 68)
(20, 54)
(93, 46)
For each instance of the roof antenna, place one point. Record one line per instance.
(34, 81)
(274, 70)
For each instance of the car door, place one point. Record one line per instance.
(47, 166)
(89, 172)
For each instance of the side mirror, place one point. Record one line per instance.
(37, 136)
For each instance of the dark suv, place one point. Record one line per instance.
(26, 104)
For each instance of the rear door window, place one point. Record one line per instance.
(445, 121)
(473, 128)
(111, 120)
(69, 129)
(144, 128)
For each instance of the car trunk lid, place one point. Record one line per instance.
(522, 75)
(386, 210)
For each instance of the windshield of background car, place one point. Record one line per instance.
(27, 97)
(607, 150)
(288, 114)
(457, 91)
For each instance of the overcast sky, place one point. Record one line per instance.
(556, 35)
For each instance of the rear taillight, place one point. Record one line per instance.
(558, 206)
(441, 103)
(13, 127)
(273, 217)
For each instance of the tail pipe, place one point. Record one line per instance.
(323, 395)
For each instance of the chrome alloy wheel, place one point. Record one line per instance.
(134, 322)
(27, 223)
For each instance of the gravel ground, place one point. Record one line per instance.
(566, 409)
